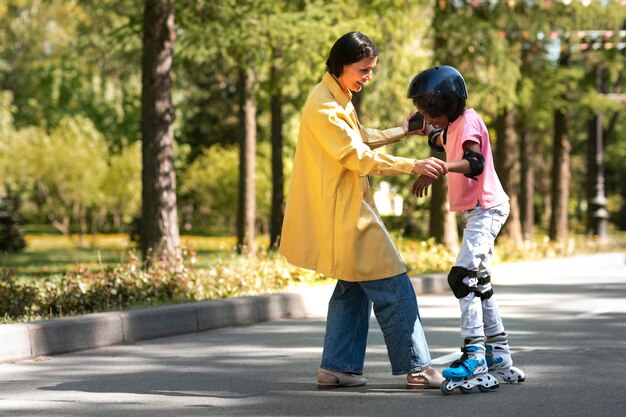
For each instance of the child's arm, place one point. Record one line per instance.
(470, 170)
(472, 163)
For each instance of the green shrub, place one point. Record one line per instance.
(129, 285)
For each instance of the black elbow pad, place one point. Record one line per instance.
(476, 161)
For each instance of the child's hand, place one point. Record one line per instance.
(421, 184)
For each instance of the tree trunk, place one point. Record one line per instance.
(443, 225)
(160, 237)
(560, 179)
(527, 186)
(506, 156)
(276, 221)
(246, 213)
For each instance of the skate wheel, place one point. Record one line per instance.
(444, 387)
(465, 390)
(482, 388)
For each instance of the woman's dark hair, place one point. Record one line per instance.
(437, 104)
(350, 48)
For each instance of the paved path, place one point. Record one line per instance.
(567, 321)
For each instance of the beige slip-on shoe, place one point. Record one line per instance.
(327, 378)
(424, 379)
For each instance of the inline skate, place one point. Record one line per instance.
(499, 360)
(470, 370)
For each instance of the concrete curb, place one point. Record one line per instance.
(51, 337)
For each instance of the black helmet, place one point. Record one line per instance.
(441, 79)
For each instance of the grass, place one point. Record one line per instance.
(49, 254)
(56, 254)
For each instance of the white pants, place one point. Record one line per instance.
(480, 318)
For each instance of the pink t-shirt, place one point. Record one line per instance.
(465, 193)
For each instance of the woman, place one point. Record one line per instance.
(331, 225)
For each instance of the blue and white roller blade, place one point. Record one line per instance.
(470, 370)
(499, 360)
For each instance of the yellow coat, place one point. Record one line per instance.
(331, 224)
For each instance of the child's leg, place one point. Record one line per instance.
(500, 361)
(483, 228)
(498, 353)
(473, 257)
(491, 313)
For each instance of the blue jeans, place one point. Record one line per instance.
(395, 307)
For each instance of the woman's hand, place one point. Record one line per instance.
(422, 132)
(405, 124)
(431, 167)
(420, 186)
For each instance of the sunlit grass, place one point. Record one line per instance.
(48, 254)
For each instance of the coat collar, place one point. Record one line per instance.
(335, 89)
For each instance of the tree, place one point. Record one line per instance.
(246, 213)
(560, 178)
(159, 224)
(443, 225)
(11, 233)
(507, 166)
(278, 177)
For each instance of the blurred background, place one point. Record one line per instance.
(546, 75)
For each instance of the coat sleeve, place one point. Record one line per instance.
(340, 137)
(376, 138)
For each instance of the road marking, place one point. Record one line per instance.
(593, 313)
(446, 359)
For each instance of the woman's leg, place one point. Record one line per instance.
(395, 307)
(347, 324)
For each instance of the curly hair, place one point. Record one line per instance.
(437, 104)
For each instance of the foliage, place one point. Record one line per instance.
(63, 172)
(64, 58)
(210, 186)
(425, 256)
(121, 184)
(129, 285)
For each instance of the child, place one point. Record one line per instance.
(439, 94)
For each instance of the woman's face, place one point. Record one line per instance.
(355, 75)
(439, 121)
